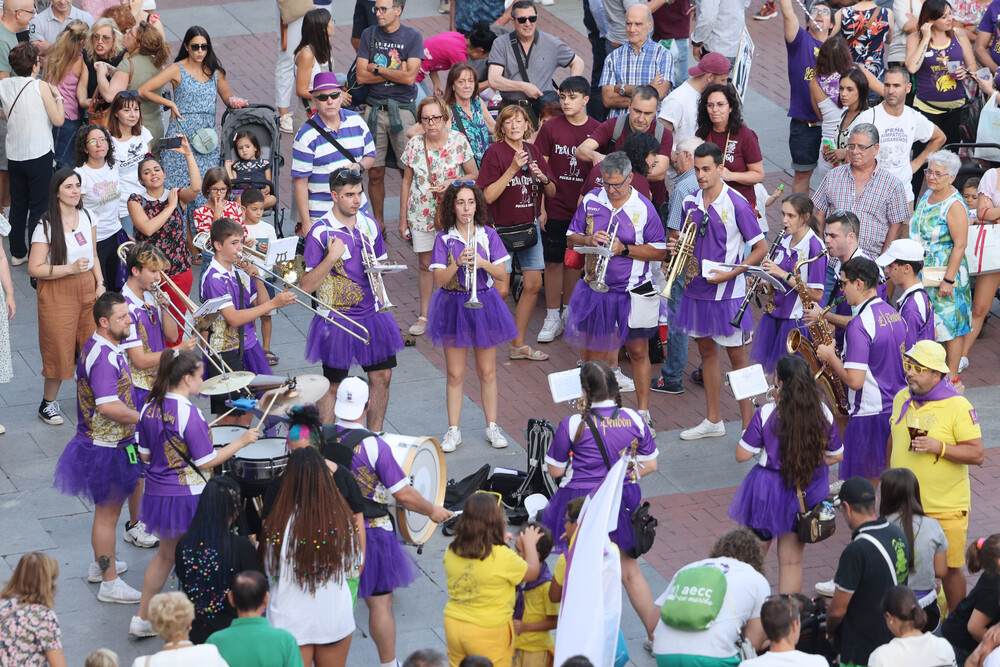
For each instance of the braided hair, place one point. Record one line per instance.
(599, 384)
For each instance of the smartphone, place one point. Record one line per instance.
(171, 142)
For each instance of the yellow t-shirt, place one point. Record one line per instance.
(537, 608)
(482, 591)
(944, 485)
(559, 573)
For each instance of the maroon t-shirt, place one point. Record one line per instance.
(672, 21)
(514, 206)
(558, 139)
(602, 135)
(639, 182)
(743, 149)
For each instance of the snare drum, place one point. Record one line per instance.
(262, 460)
(421, 459)
(222, 436)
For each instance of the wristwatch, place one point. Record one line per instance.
(621, 90)
(624, 251)
(376, 70)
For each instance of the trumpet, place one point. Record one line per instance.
(683, 251)
(471, 271)
(601, 267)
(375, 279)
(292, 273)
(756, 286)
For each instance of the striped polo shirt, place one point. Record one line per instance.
(313, 157)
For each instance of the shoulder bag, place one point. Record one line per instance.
(525, 235)
(811, 526)
(330, 139)
(99, 111)
(643, 523)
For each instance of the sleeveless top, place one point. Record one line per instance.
(317, 67)
(937, 90)
(67, 88)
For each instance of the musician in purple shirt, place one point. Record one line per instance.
(621, 306)
(727, 232)
(100, 463)
(872, 369)
(379, 475)
(902, 262)
(335, 256)
(603, 433)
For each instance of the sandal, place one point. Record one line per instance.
(527, 352)
(272, 358)
(418, 327)
(408, 340)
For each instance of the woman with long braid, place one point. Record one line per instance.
(797, 441)
(597, 438)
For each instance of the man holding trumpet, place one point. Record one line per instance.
(336, 247)
(610, 306)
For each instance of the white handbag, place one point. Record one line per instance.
(982, 253)
(988, 130)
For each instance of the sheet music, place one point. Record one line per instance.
(747, 382)
(777, 283)
(588, 250)
(565, 385)
(280, 250)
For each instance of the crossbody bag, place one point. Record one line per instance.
(524, 235)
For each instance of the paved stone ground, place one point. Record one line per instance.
(690, 491)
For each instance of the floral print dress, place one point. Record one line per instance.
(27, 631)
(866, 31)
(929, 228)
(170, 238)
(445, 164)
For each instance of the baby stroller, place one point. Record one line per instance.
(262, 120)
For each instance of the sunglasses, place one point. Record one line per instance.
(345, 175)
(913, 367)
(525, 19)
(459, 184)
(323, 97)
(198, 47)
(129, 94)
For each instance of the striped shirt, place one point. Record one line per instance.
(625, 66)
(881, 204)
(314, 158)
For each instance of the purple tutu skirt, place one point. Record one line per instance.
(701, 319)
(865, 440)
(101, 475)
(387, 565)
(255, 361)
(328, 344)
(167, 517)
(599, 321)
(769, 340)
(451, 324)
(765, 504)
(555, 512)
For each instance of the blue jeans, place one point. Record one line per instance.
(679, 50)
(677, 341)
(62, 139)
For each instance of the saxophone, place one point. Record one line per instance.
(821, 334)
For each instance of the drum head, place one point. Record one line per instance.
(223, 435)
(424, 465)
(264, 449)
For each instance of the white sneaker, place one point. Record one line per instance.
(48, 412)
(826, 588)
(451, 440)
(495, 437)
(625, 383)
(963, 364)
(94, 571)
(649, 422)
(137, 627)
(138, 536)
(285, 124)
(118, 591)
(705, 429)
(551, 328)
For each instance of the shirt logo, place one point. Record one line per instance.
(972, 416)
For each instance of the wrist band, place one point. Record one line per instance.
(949, 281)
(938, 458)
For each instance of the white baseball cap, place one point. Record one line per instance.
(352, 397)
(904, 250)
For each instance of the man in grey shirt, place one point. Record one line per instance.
(46, 26)
(539, 52)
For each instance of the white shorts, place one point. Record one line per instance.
(423, 241)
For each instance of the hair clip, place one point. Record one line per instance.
(177, 353)
(980, 542)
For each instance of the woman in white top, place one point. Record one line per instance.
(32, 107)
(314, 55)
(63, 260)
(101, 189)
(911, 646)
(171, 615)
(130, 144)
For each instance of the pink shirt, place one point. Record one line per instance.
(68, 90)
(441, 52)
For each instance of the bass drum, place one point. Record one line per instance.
(422, 461)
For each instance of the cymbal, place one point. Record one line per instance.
(302, 389)
(266, 382)
(224, 384)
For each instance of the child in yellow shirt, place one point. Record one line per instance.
(535, 615)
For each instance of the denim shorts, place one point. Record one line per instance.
(803, 144)
(533, 258)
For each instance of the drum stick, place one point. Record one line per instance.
(274, 397)
(223, 416)
(245, 404)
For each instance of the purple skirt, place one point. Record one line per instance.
(865, 440)
(387, 565)
(102, 475)
(555, 512)
(770, 338)
(255, 361)
(765, 504)
(599, 321)
(167, 517)
(451, 324)
(330, 345)
(701, 319)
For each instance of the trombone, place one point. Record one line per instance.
(293, 272)
(472, 271)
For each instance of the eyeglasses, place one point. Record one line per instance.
(524, 19)
(382, 10)
(431, 119)
(858, 147)
(323, 97)
(615, 186)
(198, 47)
(822, 11)
(104, 38)
(913, 367)
(717, 105)
(844, 283)
(97, 142)
(30, 11)
(459, 184)
(218, 189)
(129, 94)
(930, 173)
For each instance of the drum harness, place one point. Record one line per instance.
(371, 509)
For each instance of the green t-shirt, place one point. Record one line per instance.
(8, 41)
(252, 642)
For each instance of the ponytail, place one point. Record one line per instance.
(174, 366)
(599, 383)
(983, 554)
(901, 602)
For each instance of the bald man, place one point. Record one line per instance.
(640, 62)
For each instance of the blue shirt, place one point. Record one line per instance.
(625, 66)
(685, 186)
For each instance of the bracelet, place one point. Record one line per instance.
(938, 458)
(100, 283)
(949, 281)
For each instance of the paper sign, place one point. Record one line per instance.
(744, 58)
